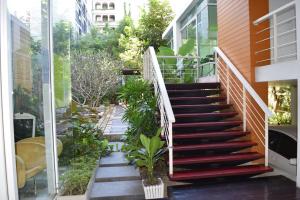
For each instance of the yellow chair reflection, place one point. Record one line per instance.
(31, 158)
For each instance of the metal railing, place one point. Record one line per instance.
(153, 74)
(276, 39)
(254, 111)
(184, 69)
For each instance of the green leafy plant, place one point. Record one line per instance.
(149, 155)
(174, 68)
(76, 179)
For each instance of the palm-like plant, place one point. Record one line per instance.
(149, 155)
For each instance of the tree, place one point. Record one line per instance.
(62, 38)
(94, 74)
(131, 47)
(153, 22)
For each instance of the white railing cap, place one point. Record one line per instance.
(244, 82)
(162, 86)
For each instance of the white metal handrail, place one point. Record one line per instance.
(240, 93)
(276, 38)
(153, 74)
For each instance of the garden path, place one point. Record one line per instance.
(115, 179)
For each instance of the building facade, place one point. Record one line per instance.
(261, 38)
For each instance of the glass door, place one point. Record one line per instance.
(30, 57)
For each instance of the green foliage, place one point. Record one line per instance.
(280, 104)
(76, 179)
(154, 20)
(149, 154)
(62, 83)
(170, 65)
(187, 47)
(131, 45)
(62, 38)
(140, 113)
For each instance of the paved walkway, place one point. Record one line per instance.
(115, 179)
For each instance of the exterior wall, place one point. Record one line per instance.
(236, 37)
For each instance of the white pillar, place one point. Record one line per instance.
(298, 28)
(176, 37)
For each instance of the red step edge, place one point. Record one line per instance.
(210, 134)
(207, 124)
(212, 146)
(249, 156)
(219, 172)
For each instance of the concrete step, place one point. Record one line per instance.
(117, 173)
(114, 159)
(121, 190)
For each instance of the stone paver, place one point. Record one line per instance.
(115, 179)
(125, 190)
(117, 173)
(114, 159)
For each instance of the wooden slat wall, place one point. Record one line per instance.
(237, 37)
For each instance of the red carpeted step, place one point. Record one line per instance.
(214, 146)
(193, 93)
(207, 135)
(234, 157)
(192, 86)
(206, 115)
(199, 108)
(207, 124)
(195, 100)
(250, 170)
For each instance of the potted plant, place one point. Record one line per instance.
(147, 157)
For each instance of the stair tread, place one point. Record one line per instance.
(193, 90)
(218, 158)
(219, 145)
(201, 105)
(199, 124)
(205, 114)
(209, 134)
(195, 98)
(220, 172)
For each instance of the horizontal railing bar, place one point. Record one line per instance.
(266, 39)
(287, 44)
(268, 59)
(285, 21)
(270, 14)
(244, 82)
(268, 49)
(287, 56)
(286, 32)
(263, 30)
(257, 135)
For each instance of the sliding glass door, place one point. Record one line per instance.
(30, 63)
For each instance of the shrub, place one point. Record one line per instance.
(94, 74)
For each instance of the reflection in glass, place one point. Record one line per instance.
(29, 41)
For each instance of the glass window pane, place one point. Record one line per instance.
(29, 44)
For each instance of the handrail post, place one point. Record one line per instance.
(244, 110)
(228, 84)
(216, 67)
(266, 140)
(170, 148)
(161, 108)
(275, 38)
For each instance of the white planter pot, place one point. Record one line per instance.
(154, 191)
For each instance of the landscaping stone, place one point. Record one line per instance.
(118, 173)
(121, 190)
(114, 159)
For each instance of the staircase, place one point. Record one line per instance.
(207, 135)
(212, 130)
